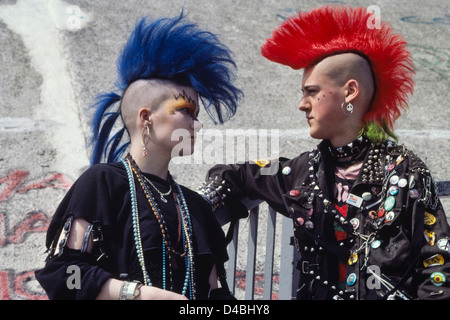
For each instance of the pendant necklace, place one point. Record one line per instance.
(161, 195)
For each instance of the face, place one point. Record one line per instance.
(175, 122)
(321, 102)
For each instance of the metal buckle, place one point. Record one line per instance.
(307, 267)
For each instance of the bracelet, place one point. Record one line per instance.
(130, 290)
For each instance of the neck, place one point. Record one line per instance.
(155, 163)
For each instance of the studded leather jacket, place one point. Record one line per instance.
(396, 243)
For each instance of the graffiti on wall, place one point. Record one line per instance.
(22, 284)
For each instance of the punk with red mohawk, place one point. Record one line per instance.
(312, 36)
(366, 215)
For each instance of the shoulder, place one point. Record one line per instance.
(102, 171)
(400, 152)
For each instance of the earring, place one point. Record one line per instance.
(348, 110)
(144, 141)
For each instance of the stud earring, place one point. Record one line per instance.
(144, 141)
(348, 109)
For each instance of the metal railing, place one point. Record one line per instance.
(288, 256)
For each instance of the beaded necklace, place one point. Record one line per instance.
(167, 252)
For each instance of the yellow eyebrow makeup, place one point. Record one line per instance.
(183, 101)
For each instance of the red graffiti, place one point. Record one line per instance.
(33, 222)
(10, 183)
(13, 284)
(259, 281)
(19, 286)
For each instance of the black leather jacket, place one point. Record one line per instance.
(397, 242)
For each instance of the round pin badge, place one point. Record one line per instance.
(375, 244)
(294, 193)
(389, 203)
(413, 193)
(394, 179)
(444, 244)
(355, 223)
(286, 171)
(351, 279)
(402, 183)
(393, 190)
(438, 279)
(389, 216)
(381, 213)
(309, 224)
(366, 196)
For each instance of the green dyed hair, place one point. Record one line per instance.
(377, 133)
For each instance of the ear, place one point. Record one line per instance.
(145, 116)
(352, 90)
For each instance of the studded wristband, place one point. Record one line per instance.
(130, 290)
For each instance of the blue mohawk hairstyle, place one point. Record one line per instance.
(172, 49)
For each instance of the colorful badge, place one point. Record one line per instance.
(389, 216)
(375, 244)
(430, 236)
(367, 196)
(373, 214)
(438, 279)
(352, 259)
(294, 193)
(394, 179)
(309, 224)
(444, 244)
(402, 183)
(413, 193)
(435, 260)
(286, 171)
(429, 219)
(262, 163)
(393, 190)
(389, 203)
(354, 200)
(351, 279)
(355, 223)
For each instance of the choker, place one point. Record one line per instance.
(354, 149)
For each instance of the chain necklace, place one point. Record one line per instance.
(161, 195)
(168, 251)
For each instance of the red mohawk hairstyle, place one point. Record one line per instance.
(312, 36)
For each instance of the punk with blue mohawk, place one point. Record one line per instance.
(171, 49)
(143, 235)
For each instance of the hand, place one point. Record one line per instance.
(154, 293)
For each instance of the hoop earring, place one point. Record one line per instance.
(348, 110)
(144, 142)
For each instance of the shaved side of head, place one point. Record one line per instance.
(143, 94)
(346, 66)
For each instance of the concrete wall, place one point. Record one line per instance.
(55, 56)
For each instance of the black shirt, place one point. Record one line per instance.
(102, 194)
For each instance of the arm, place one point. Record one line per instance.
(433, 268)
(111, 288)
(241, 186)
